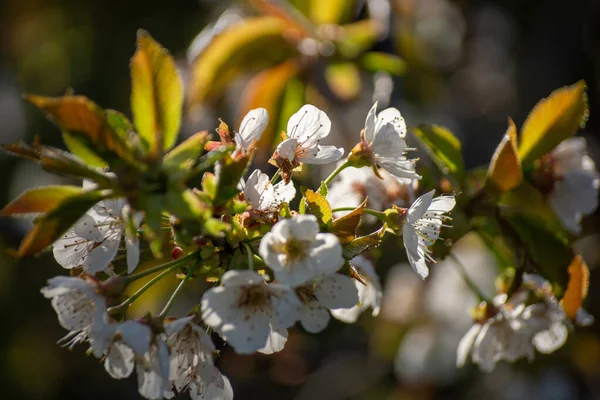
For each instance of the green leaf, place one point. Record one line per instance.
(40, 200)
(323, 189)
(553, 120)
(330, 11)
(80, 116)
(58, 220)
(234, 51)
(443, 147)
(358, 37)
(153, 205)
(505, 171)
(229, 175)
(361, 244)
(185, 155)
(60, 162)
(550, 255)
(209, 184)
(156, 95)
(374, 61)
(490, 232)
(345, 227)
(83, 148)
(239, 260)
(184, 204)
(319, 207)
(343, 79)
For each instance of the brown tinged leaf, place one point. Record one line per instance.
(505, 171)
(39, 200)
(577, 288)
(79, 115)
(361, 244)
(49, 227)
(553, 120)
(22, 150)
(346, 226)
(156, 95)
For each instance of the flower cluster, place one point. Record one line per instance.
(270, 254)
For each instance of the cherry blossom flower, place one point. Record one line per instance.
(81, 308)
(369, 292)
(383, 143)
(305, 129)
(516, 327)
(298, 253)
(248, 313)
(318, 298)
(353, 185)
(93, 242)
(264, 197)
(424, 220)
(251, 127)
(573, 182)
(140, 346)
(191, 365)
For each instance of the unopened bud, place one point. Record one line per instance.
(177, 253)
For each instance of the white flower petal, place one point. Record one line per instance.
(248, 333)
(136, 335)
(419, 207)
(252, 126)
(415, 253)
(153, 372)
(308, 125)
(552, 339)
(287, 149)
(336, 291)
(254, 187)
(390, 116)
(583, 318)
(370, 123)
(314, 317)
(398, 166)
(276, 340)
(321, 155)
(466, 345)
(218, 305)
(235, 278)
(326, 254)
(119, 361)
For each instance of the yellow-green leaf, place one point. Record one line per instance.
(256, 43)
(330, 11)
(552, 120)
(577, 289)
(358, 37)
(39, 200)
(375, 61)
(156, 95)
(343, 79)
(361, 244)
(52, 225)
(186, 154)
(319, 207)
(443, 147)
(345, 227)
(79, 115)
(505, 171)
(82, 148)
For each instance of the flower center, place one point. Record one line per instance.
(295, 250)
(255, 297)
(306, 293)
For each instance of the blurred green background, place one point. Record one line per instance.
(471, 65)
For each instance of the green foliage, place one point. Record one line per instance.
(553, 120)
(318, 205)
(346, 227)
(363, 243)
(156, 95)
(444, 149)
(40, 200)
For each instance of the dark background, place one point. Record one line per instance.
(510, 54)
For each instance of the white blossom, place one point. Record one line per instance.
(369, 292)
(318, 298)
(93, 242)
(298, 253)
(353, 185)
(248, 313)
(251, 127)
(384, 135)
(150, 354)
(516, 328)
(264, 197)
(191, 363)
(305, 129)
(424, 220)
(574, 192)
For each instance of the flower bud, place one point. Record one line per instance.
(114, 286)
(177, 253)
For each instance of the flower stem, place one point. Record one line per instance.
(170, 267)
(250, 255)
(376, 214)
(335, 173)
(463, 273)
(275, 177)
(176, 293)
(131, 278)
